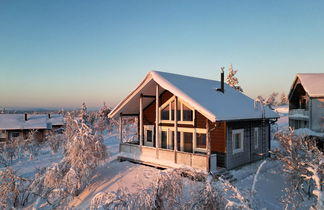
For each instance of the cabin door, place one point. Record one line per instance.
(148, 135)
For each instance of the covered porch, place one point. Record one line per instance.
(166, 158)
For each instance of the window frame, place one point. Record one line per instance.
(181, 103)
(256, 138)
(181, 130)
(241, 132)
(146, 128)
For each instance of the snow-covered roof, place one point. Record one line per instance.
(34, 121)
(307, 132)
(313, 83)
(200, 93)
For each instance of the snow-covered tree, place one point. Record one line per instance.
(304, 165)
(13, 189)
(102, 121)
(55, 141)
(83, 113)
(19, 147)
(283, 99)
(83, 152)
(232, 79)
(272, 99)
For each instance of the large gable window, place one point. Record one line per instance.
(185, 114)
(237, 140)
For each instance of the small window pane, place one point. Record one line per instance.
(172, 110)
(187, 113)
(178, 141)
(15, 134)
(237, 141)
(201, 140)
(171, 141)
(165, 113)
(164, 139)
(179, 111)
(187, 139)
(149, 135)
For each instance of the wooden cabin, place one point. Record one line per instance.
(188, 121)
(20, 125)
(306, 102)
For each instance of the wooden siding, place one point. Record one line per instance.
(218, 137)
(149, 114)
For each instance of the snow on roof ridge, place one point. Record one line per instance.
(179, 93)
(313, 83)
(193, 77)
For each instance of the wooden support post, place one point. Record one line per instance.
(157, 119)
(175, 137)
(121, 130)
(208, 144)
(141, 120)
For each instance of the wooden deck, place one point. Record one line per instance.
(165, 158)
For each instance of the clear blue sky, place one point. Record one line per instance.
(60, 53)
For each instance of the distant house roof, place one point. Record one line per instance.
(313, 83)
(200, 93)
(34, 121)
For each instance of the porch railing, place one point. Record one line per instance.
(299, 113)
(165, 158)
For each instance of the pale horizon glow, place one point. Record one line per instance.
(62, 53)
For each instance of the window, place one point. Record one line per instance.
(187, 140)
(149, 135)
(256, 138)
(171, 140)
(165, 113)
(179, 141)
(201, 140)
(237, 140)
(164, 139)
(185, 114)
(15, 134)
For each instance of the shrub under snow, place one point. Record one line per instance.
(181, 188)
(303, 163)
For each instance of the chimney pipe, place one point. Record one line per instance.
(222, 89)
(49, 115)
(26, 117)
(222, 80)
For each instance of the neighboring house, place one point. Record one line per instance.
(201, 123)
(20, 125)
(306, 102)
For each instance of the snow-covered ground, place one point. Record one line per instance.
(270, 180)
(114, 175)
(283, 113)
